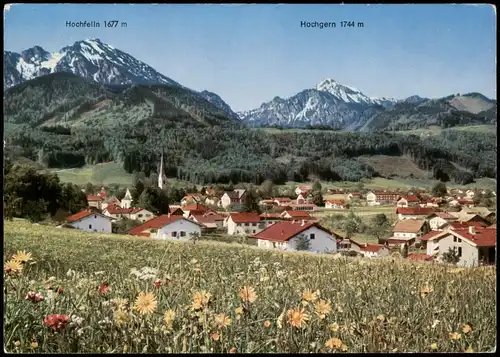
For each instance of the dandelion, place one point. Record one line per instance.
(34, 345)
(238, 310)
(168, 317)
(322, 308)
(13, 266)
(121, 317)
(344, 348)
(104, 288)
(22, 256)
(434, 346)
(120, 303)
(455, 336)
(309, 296)
(247, 294)
(469, 350)
(222, 320)
(297, 317)
(200, 300)
(381, 317)
(425, 290)
(145, 303)
(267, 323)
(333, 343)
(467, 328)
(334, 327)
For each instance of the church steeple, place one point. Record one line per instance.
(162, 178)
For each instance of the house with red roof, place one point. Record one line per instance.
(335, 204)
(408, 201)
(195, 209)
(368, 250)
(414, 212)
(438, 219)
(111, 201)
(235, 197)
(191, 198)
(244, 224)
(303, 189)
(304, 197)
(282, 201)
(167, 226)
(134, 213)
(95, 201)
(90, 221)
(285, 235)
(296, 215)
(375, 198)
(354, 195)
(270, 218)
(408, 231)
(210, 222)
(474, 246)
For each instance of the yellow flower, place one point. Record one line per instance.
(333, 343)
(247, 294)
(145, 303)
(168, 317)
(334, 327)
(22, 256)
(297, 317)
(221, 320)
(426, 290)
(121, 317)
(200, 299)
(309, 296)
(322, 308)
(17, 343)
(434, 346)
(469, 350)
(238, 310)
(13, 266)
(267, 323)
(455, 336)
(380, 317)
(120, 303)
(344, 348)
(467, 328)
(34, 345)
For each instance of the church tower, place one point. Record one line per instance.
(162, 178)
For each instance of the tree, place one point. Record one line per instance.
(155, 200)
(303, 243)
(439, 189)
(252, 201)
(404, 250)
(379, 226)
(195, 236)
(267, 189)
(451, 256)
(124, 225)
(230, 186)
(316, 187)
(137, 190)
(89, 188)
(318, 198)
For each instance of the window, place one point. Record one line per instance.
(254, 224)
(174, 234)
(148, 215)
(246, 224)
(95, 216)
(311, 236)
(90, 226)
(253, 231)
(139, 215)
(459, 251)
(183, 234)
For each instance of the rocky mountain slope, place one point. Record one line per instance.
(93, 60)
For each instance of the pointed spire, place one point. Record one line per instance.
(162, 178)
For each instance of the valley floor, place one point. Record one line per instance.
(219, 298)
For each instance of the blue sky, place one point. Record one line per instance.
(248, 54)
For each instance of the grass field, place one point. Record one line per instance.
(435, 130)
(219, 298)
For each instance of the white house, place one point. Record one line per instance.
(303, 197)
(270, 218)
(365, 249)
(191, 198)
(286, 235)
(474, 246)
(167, 227)
(127, 200)
(438, 219)
(282, 201)
(303, 189)
(94, 201)
(244, 224)
(408, 201)
(375, 198)
(90, 221)
(141, 214)
(335, 204)
(470, 194)
(407, 231)
(235, 197)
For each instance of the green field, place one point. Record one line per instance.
(113, 173)
(359, 304)
(435, 130)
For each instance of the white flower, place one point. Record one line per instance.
(435, 323)
(106, 321)
(76, 320)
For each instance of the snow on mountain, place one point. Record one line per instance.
(328, 103)
(94, 60)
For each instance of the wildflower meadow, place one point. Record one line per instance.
(67, 291)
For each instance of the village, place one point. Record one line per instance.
(435, 229)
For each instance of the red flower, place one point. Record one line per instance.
(60, 291)
(104, 288)
(34, 297)
(157, 283)
(56, 321)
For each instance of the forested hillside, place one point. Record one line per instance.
(63, 121)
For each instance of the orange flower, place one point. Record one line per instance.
(233, 350)
(267, 323)
(215, 336)
(247, 294)
(297, 317)
(334, 343)
(467, 328)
